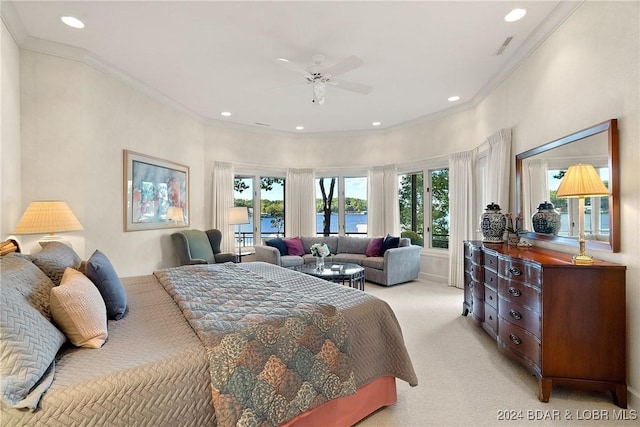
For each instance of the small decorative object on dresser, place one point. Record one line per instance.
(565, 323)
(493, 224)
(514, 227)
(547, 219)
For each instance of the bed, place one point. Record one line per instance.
(158, 367)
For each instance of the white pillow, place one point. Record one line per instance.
(78, 309)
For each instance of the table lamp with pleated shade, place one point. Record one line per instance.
(581, 181)
(48, 217)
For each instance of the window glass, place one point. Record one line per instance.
(355, 206)
(439, 191)
(327, 206)
(243, 196)
(271, 206)
(411, 199)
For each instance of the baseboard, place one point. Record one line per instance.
(633, 398)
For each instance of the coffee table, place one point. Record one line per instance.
(349, 273)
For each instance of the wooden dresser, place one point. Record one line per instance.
(565, 323)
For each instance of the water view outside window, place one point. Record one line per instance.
(410, 197)
(326, 206)
(355, 206)
(270, 220)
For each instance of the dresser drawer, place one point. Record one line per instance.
(467, 264)
(491, 317)
(519, 316)
(491, 261)
(491, 297)
(474, 253)
(514, 269)
(477, 273)
(491, 278)
(519, 340)
(519, 293)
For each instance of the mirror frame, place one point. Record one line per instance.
(611, 127)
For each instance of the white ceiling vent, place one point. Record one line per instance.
(505, 43)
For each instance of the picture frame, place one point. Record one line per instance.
(156, 193)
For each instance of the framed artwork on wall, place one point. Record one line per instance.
(156, 193)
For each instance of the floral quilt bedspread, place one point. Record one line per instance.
(273, 352)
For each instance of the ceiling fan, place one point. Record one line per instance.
(320, 76)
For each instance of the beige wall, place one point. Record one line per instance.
(76, 120)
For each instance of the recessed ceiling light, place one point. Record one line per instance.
(72, 21)
(376, 123)
(226, 114)
(299, 127)
(515, 15)
(453, 98)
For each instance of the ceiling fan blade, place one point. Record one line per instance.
(351, 86)
(293, 67)
(343, 66)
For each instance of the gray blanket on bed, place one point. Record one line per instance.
(274, 353)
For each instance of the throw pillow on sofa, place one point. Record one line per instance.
(279, 244)
(101, 272)
(294, 246)
(375, 247)
(389, 242)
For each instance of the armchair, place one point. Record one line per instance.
(199, 247)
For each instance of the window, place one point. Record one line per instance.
(439, 194)
(355, 206)
(410, 197)
(327, 206)
(243, 196)
(269, 203)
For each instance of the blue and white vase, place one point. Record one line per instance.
(547, 219)
(493, 224)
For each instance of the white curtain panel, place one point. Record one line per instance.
(499, 169)
(535, 189)
(462, 221)
(375, 202)
(222, 201)
(300, 206)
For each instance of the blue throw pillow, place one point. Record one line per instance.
(279, 244)
(103, 275)
(389, 242)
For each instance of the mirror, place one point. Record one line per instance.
(539, 171)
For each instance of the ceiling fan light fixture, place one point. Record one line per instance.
(319, 89)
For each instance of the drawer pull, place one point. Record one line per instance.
(516, 339)
(515, 292)
(515, 271)
(491, 297)
(515, 314)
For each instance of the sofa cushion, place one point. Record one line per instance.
(352, 245)
(294, 246)
(101, 272)
(375, 262)
(54, 258)
(353, 258)
(389, 242)
(279, 244)
(331, 241)
(29, 340)
(374, 248)
(291, 260)
(78, 309)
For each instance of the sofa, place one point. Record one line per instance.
(399, 263)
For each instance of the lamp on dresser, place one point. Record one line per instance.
(237, 216)
(581, 181)
(48, 217)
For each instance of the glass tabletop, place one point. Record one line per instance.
(331, 269)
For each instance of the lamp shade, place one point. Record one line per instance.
(48, 216)
(239, 215)
(581, 181)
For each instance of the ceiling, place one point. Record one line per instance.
(211, 56)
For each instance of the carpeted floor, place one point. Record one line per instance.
(465, 381)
